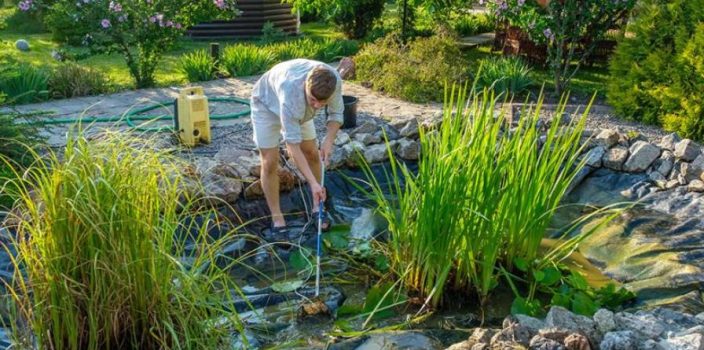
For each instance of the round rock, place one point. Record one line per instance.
(22, 45)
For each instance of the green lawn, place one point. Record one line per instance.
(112, 65)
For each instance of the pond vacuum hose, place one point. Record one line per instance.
(135, 115)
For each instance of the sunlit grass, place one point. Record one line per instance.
(98, 237)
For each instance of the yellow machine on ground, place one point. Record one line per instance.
(192, 119)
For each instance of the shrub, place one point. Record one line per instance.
(355, 17)
(504, 75)
(469, 24)
(270, 33)
(198, 66)
(141, 31)
(416, 71)
(245, 59)
(495, 191)
(65, 26)
(22, 22)
(23, 83)
(97, 238)
(72, 80)
(656, 76)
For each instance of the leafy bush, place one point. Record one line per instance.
(504, 75)
(467, 25)
(198, 66)
(141, 31)
(416, 71)
(270, 33)
(21, 22)
(483, 229)
(65, 26)
(355, 17)
(72, 80)
(101, 253)
(245, 59)
(23, 83)
(656, 74)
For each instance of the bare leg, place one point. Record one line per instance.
(310, 151)
(270, 183)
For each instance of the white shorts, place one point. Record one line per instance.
(267, 127)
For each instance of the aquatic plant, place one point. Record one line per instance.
(99, 236)
(484, 194)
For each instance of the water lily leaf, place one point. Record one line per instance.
(521, 264)
(337, 239)
(301, 259)
(286, 286)
(381, 263)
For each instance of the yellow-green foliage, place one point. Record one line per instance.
(656, 73)
(97, 237)
(415, 72)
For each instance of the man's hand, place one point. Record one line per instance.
(326, 151)
(318, 192)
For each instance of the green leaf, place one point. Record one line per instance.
(286, 286)
(301, 259)
(552, 276)
(577, 281)
(337, 239)
(539, 275)
(521, 264)
(561, 299)
(375, 297)
(526, 307)
(584, 305)
(349, 310)
(381, 263)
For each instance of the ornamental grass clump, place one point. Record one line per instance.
(482, 196)
(96, 237)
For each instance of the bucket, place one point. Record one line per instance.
(350, 113)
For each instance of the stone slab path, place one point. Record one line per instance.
(470, 42)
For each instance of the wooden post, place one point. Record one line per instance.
(215, 51)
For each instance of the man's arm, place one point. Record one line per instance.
(294, 149)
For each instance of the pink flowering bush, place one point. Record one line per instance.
(140, 30)
(571, 29)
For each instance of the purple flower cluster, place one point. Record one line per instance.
(220, 4)
(549, 34)
(115, 6)
(25, 5)
(105, 23)
(159, 19)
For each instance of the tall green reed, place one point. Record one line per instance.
(96, 235)
(484, 194)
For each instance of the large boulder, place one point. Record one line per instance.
(408, 149)
(642, 155)
(287, 181)
(219, 180)
(607, 138)
(594, 156)
(694, 170)
(615, 157)
(669, 141)
(687, 150)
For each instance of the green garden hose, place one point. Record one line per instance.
(135, 115)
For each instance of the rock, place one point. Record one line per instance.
(480, 346)
(607, 138)
(250, 164)
(650, 345)
(408, 149)
(237, 341)
(687, 150)
(668, 141)
(410, 129)
(695, 186)
(22, 45)
(694, 170)
(604, 321)
(623, 340)
(367, 139)
(400, 341)
(465, 345)
(594, 155)
(338, 158)
(664, 164)
(219, 180)
(353, 150)
(367, 127)
(576, 341)
(514, 333)
(670, 184)
(581, 175)
(642, 155)
(347, 68)
(693, 341)
(540, 343)
(481, 336)
(657, 178)
(560, 317)
(556, 334)
(287, 181)
(531, 323)
(615, 157)
(342, 138)
(643, 325)
(377, 153)
(700, 317)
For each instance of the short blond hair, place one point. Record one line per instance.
(322, 83)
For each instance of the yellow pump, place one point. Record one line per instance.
(192, 120)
